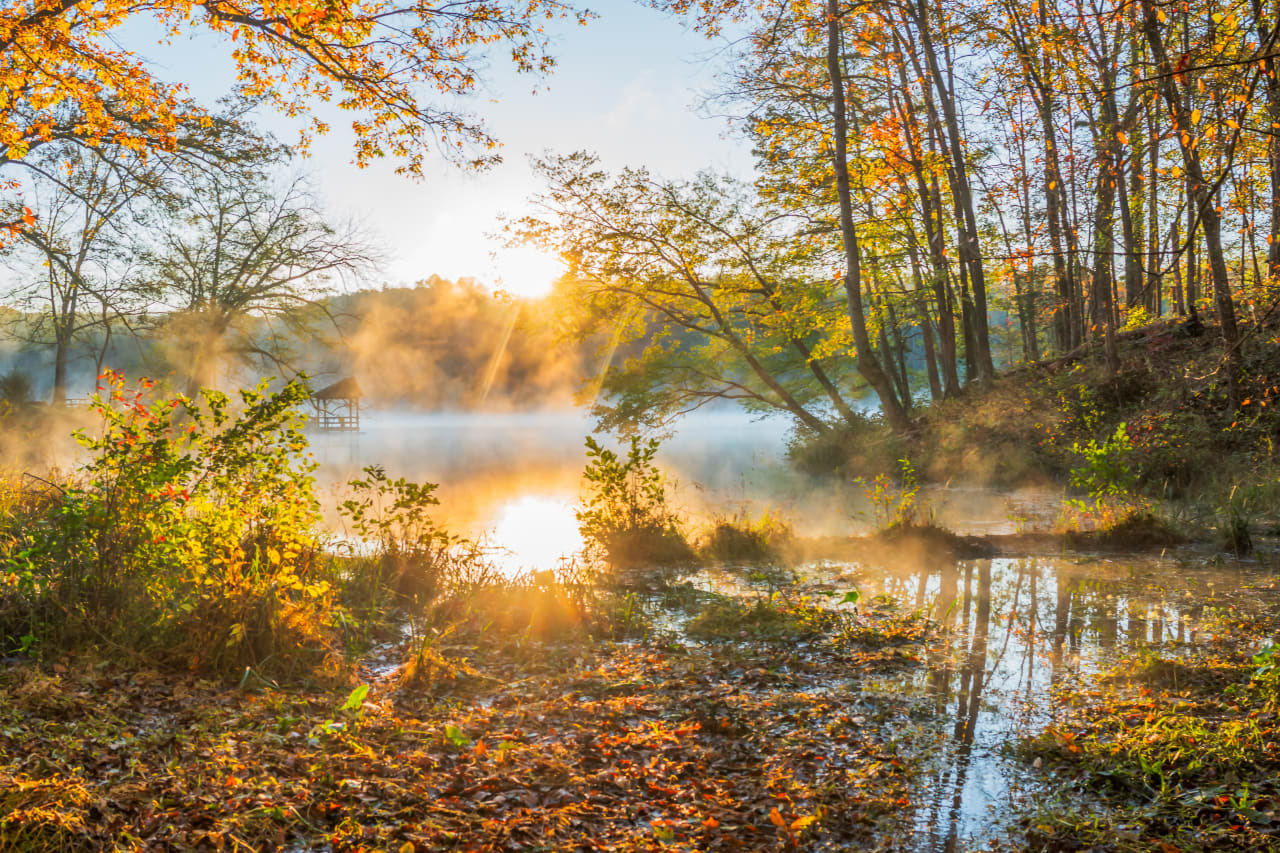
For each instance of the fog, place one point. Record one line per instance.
(505, 476)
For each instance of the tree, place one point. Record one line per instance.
(75, 262)
(397, 66)
(236, 247)
(727, 297)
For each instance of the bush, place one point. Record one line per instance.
(410, 552)
(189, 535)
(626, 515)
(16, 388)
(865, 447)
(744, 538)
(897, 505)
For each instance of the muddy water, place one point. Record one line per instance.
(1011, 630)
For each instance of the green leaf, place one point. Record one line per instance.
(356, 699)
(456, 736)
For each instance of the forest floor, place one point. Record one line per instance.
(761, 741)
(771, 715)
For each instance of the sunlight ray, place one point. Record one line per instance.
(492, 370)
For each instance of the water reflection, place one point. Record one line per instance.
(1010, 632)
(718, 462)
(535, 533)
(512, 479)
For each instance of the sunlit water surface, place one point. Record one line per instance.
(514, 479)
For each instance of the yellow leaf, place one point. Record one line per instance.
(407, 847)
(1160, 15)
(801, 822)
(273, 556)
(1195, 116)
(1233, 124)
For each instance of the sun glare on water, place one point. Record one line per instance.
(534, 532)
(526, 273)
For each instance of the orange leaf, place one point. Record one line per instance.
(711, 823)
(777, 819)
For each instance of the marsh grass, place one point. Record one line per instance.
(775, 618)
(1172, 752)
(741, 538)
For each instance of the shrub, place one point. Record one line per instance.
(744, 538)
(190, 534)
(626, 514)
(410, 551)
(865, 446)
(897, 505)
(16, 387)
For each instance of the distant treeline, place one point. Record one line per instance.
(439, 344)
(446, 345)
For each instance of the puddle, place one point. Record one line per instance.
(1010, 631)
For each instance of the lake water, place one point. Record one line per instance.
(515, 478)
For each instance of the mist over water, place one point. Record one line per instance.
(517, 476)
(496, 468)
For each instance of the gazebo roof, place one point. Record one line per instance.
(343, 389)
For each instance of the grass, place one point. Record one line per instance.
(1169, 753)
(741, 538)
(776, 618)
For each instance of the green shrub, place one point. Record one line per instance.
(626, 514)
(897, 505)
(410, 553)
(190, 534)
(752, 540)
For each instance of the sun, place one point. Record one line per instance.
(525, 272)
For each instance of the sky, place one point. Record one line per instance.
(628, 87)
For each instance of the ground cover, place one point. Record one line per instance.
(1171, 749)
(521, 744)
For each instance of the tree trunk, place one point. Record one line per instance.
(969, 248)
(867, 363)
(1201, 194)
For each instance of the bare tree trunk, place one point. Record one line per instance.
(868, 365)
(969, 248)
